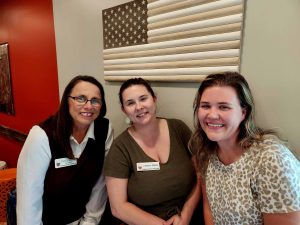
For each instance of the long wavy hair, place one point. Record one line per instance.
(63, 119)
(200, 145)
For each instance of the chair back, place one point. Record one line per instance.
(11, 215)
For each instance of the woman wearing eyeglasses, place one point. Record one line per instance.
(59, 172)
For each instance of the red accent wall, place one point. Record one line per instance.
(28, 28)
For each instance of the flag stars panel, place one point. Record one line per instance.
(117, 21)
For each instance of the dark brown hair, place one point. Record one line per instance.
(135, 81)
(64, 121)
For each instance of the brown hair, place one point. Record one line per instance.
(199, 143)
(135, 81)
(64, 121)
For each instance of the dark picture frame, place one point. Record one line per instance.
(6, 97)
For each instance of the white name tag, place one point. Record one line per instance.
(64, 162)
(147, 166)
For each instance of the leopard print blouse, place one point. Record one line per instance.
(266, 179)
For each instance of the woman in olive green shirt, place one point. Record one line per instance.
(149, 171)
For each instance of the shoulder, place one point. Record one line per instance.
(102, 126)
(37, 133)
(36, 142)
(175, 121)
(36, 137)
(122, 143)
(123, 137)
(272, 147)
(179, 131)
(274, 158)
(102, 121)
(177, 124)
(118, 159)
(278, 175)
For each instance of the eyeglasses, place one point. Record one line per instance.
(82, 100)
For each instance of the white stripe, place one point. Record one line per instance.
(196, 25)
(176, 57)
(183, 49)
(161, 3)
(231, 61)
(177, 43)
(180, 71)
(173, 78)
(194, 10)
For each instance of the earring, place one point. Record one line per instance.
(128, 121)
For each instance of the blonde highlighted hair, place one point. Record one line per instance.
(199, 143)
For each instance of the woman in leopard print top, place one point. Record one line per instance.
(249, 176)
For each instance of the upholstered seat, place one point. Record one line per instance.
(7, 184)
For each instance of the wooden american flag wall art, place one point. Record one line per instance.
(172, 40)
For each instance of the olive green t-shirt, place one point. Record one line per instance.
(160, 192)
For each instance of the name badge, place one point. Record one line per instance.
(64, 162)
(147, 166)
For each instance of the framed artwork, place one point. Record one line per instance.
(172, 41)
(6, 98)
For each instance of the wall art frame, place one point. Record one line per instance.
(6, 96)
(172, 41)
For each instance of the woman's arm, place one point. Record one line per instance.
(189, 206)
(124, 210)
(208, 217)
(96, 205)
(292, 218)
(32, 166)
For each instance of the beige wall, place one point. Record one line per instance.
(271, 64)
(270, 61)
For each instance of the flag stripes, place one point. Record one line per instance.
(176, 64)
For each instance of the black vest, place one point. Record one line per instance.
(67, 190)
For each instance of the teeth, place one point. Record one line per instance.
(86, 114)
(140, 115)
(214, 125)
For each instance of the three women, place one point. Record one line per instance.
(248, 175)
